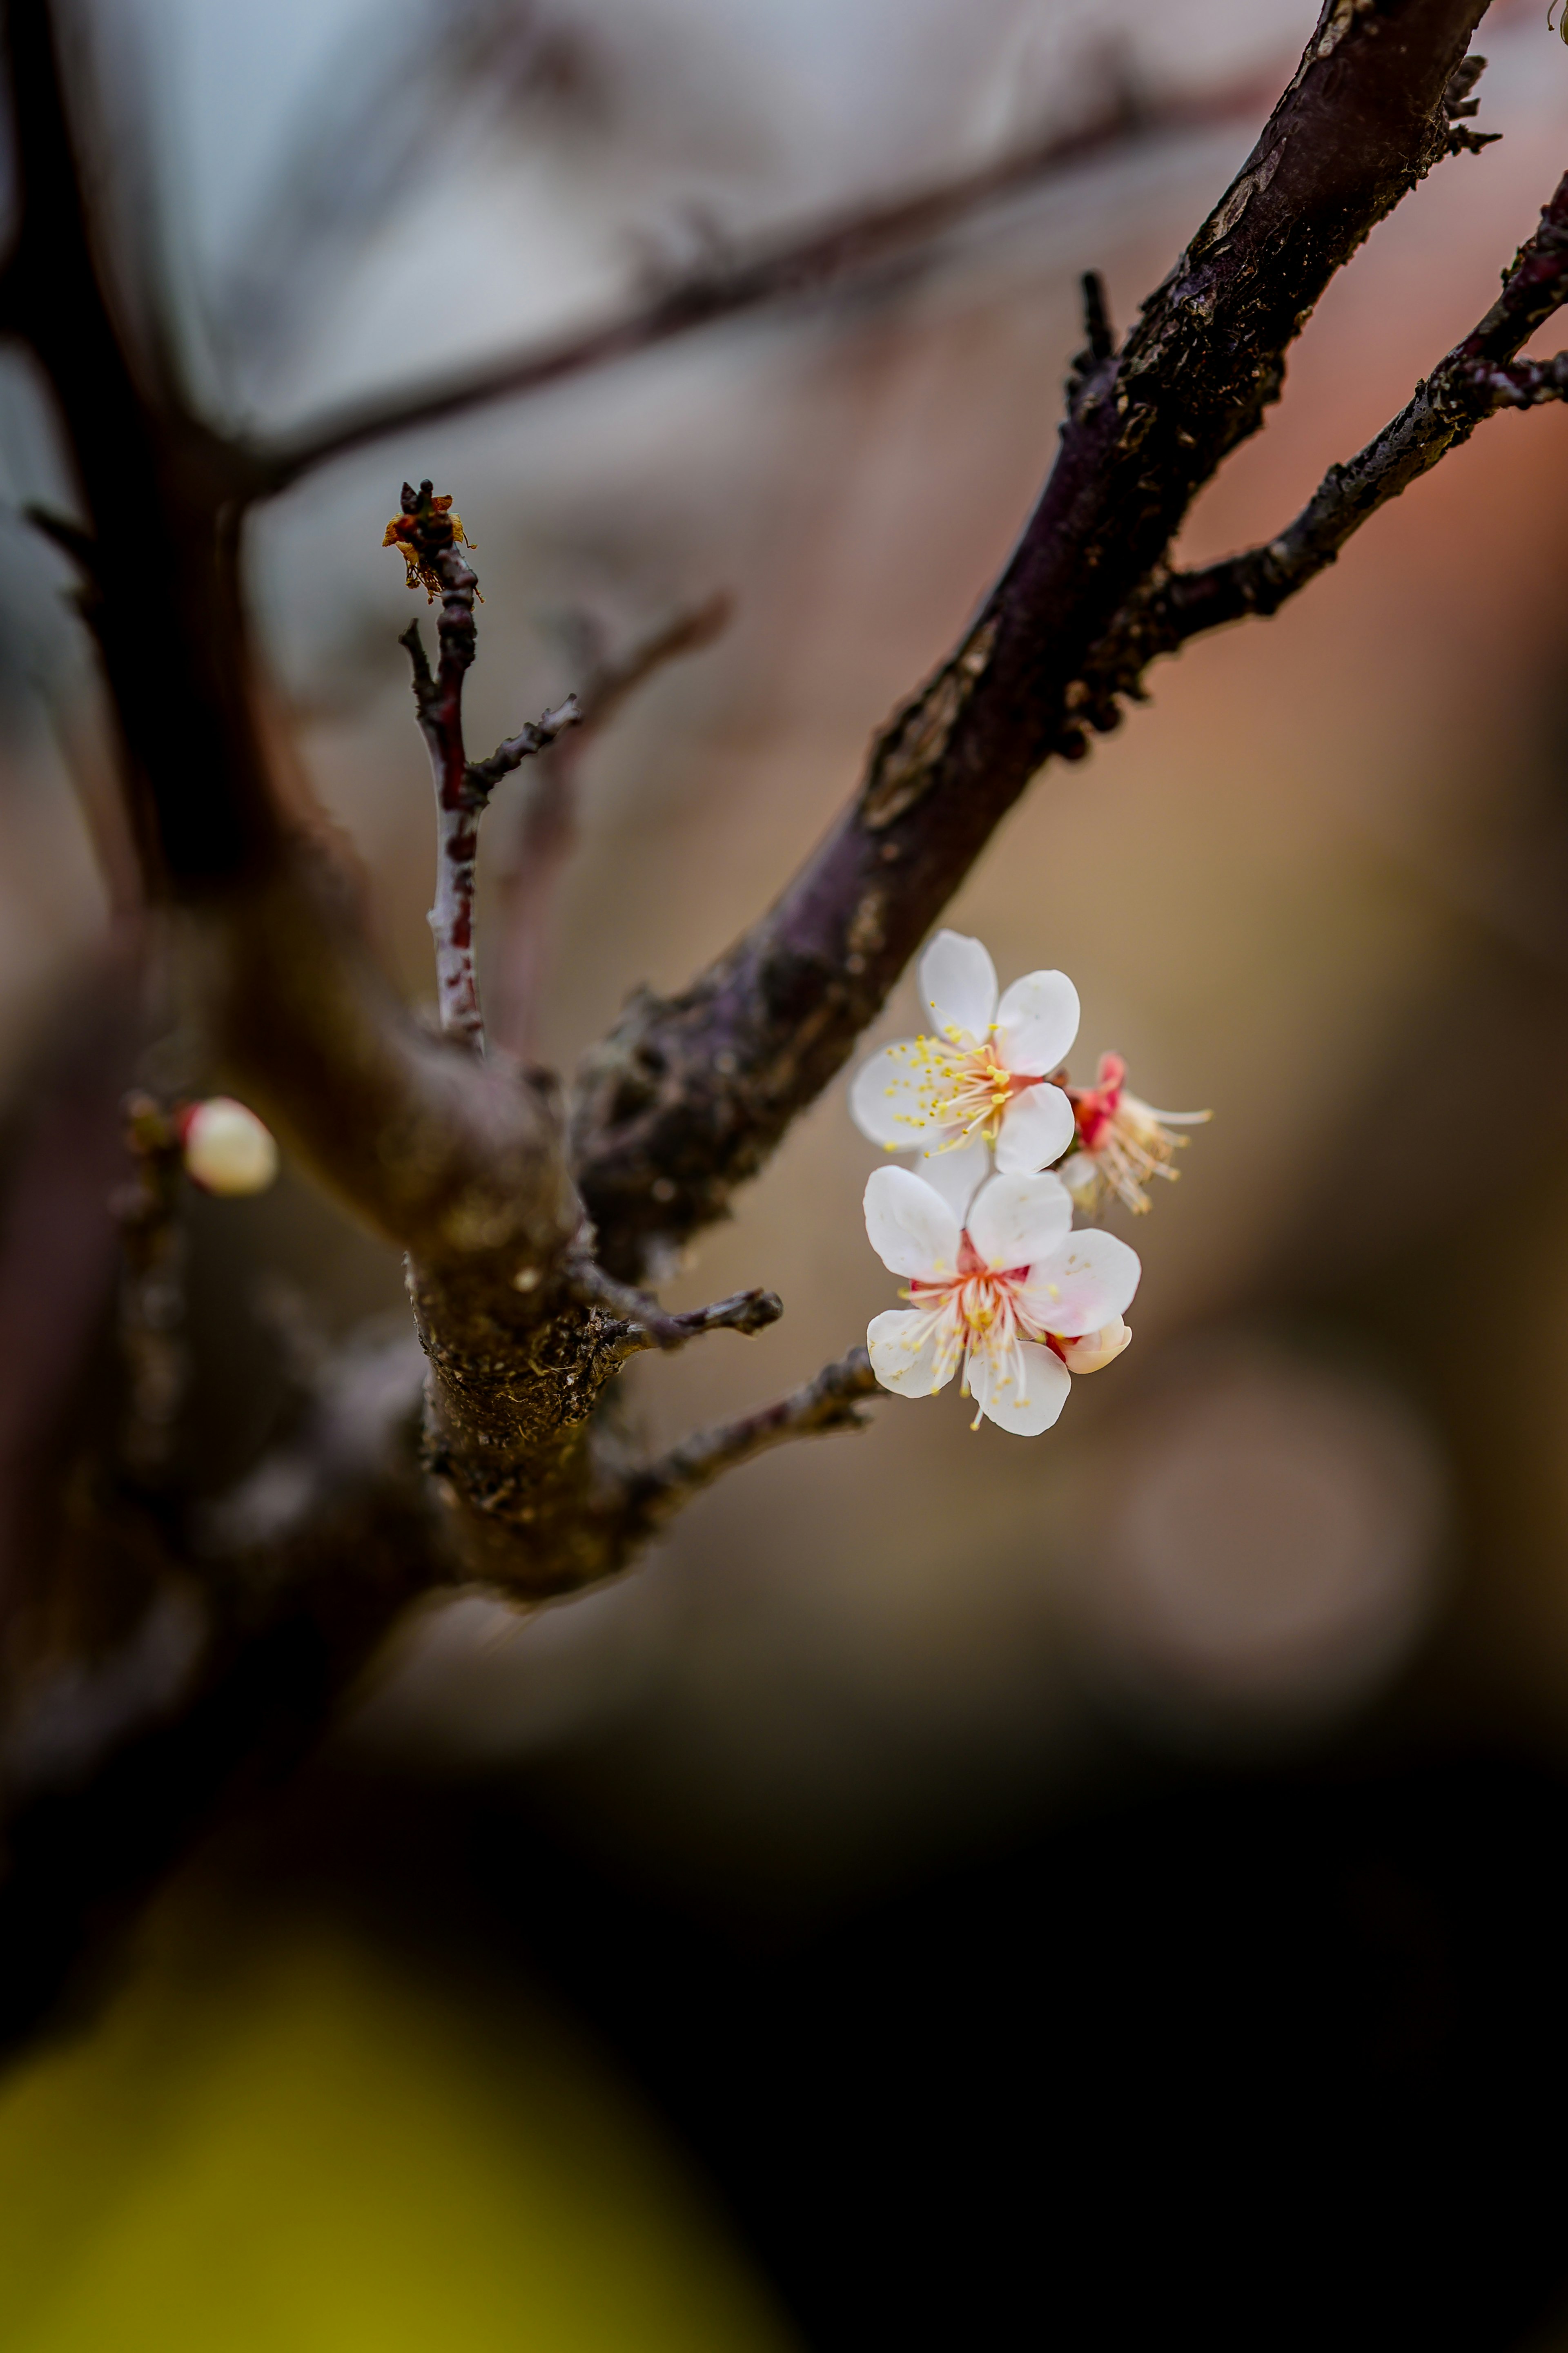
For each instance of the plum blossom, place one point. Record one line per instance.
(1122, 1141)
(1002, 1286)
(982, 1079)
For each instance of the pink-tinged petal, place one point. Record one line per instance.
(957, 1174)
(911, 1227)
(907, 1353)
(958, 982)
(1025, 1396)
(1096, 1349)
(1082, 1286)
(1036, 1022)
(1016, 1220)
(1036, 1128)
(894, 1096)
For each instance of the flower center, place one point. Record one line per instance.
(978, 1090)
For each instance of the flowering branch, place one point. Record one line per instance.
(833, 1400)
(697, 1090)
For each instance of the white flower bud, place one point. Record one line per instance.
(228, 1149)
(1096, 1349)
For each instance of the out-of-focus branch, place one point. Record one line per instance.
(844, 251)
(530, 880)
(696, 1090)
(152, 1290)
(447, 1156)
(833, 1400)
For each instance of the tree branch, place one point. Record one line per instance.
(647, 1325)
(1479, 377)
(694, 1091)
(833, 1400)
(841, 252)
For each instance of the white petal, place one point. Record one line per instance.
(1036, 1128)
(1096, 1349)
(958, 982)
(1014, 1220)
(1036, 1022)
(1028, 1408)
(957, 1175)
(904, 1350)
(1084, 1285)
(911, 1227)
(894, 1096)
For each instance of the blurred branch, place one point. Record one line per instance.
(833, 1400)
(693, 1092)
(528, 883)
(843, 251)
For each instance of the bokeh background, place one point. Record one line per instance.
(958, 1890)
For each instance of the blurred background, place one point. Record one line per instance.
(956, 1890)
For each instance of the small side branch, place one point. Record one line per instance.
(648, 1326)
(833, 1400)
(484, 776)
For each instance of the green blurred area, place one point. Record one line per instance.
(273, 2140)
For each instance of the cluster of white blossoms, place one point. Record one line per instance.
(982, 1230)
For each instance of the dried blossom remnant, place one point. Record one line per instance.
(1005, 1287)
(421, 533)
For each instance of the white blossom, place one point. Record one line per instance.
(981, 1079)
(1001, 1285)
(226, 1148)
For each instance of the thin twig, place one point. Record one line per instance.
(483, 775)
(833, 1400)
(648, 1324)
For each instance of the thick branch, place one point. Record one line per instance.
(842, 252)
(832, 1401)
(694, 1092)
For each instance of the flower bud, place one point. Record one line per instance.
(1096, 1349)
(227, 1150)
